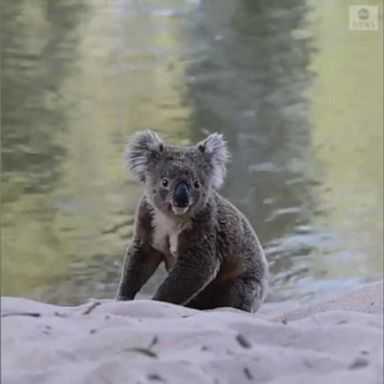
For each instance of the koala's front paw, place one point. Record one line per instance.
(122, 297)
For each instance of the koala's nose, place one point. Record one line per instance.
(181, 196)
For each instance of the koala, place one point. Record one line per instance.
(211, 253)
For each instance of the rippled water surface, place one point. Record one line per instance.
(297, 95)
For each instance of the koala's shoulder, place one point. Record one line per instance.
(225, 209)
(230, 219)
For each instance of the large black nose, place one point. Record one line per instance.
(180, 196)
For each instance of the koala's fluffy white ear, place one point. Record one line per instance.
(142, 148)
(215, 149)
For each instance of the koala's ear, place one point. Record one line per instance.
(144, 147)
(214, 149)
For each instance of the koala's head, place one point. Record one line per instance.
(178, 181)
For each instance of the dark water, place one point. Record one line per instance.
(297, 95)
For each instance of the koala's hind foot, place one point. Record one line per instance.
(241, 293)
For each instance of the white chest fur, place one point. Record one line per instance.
(165, 236)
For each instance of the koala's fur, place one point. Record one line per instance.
(212, 255)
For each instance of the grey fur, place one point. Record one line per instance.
(210, 250)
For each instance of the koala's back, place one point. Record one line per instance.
(238, 245)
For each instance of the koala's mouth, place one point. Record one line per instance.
(179, 210)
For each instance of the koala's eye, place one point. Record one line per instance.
(164, 182)
(196, 184)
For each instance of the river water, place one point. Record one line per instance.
(297, 95)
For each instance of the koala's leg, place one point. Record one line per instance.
(190, 274)
(139, 264)
(241, 293)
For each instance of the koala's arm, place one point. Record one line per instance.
(194, 269)
(141, 259)
(139, 264)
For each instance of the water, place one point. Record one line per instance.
(297, 95)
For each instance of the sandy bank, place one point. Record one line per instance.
(150, 342)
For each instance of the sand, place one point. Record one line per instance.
(142, 341)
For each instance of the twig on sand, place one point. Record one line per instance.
(147, 351)
(248, 373)
(144, 351)
(32, 314)
(91, 307)
(153, 342)
(243, 341)
(155, 377)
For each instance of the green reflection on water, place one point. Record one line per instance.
(347, 131)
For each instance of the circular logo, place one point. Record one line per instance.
(363, 14)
